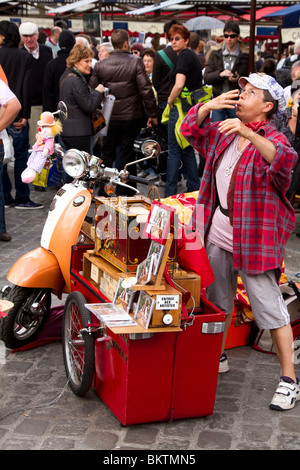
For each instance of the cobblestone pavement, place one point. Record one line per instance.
(30, 381)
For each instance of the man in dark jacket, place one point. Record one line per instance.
(126, 76)
(17, 64)
(225, 66)
(41, 56)
(54, 70)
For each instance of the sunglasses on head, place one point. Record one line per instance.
(231, 36)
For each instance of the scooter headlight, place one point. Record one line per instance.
(75, 163)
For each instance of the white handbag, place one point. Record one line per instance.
(8, 147)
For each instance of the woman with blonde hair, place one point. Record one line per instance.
(81, 101)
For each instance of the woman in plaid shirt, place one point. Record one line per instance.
(247, 217)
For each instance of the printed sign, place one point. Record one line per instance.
(167, 302)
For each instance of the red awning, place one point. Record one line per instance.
(135, 34)
(262, 12)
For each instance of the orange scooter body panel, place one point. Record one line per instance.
(65, 234)
(49, 265)
(38, 268)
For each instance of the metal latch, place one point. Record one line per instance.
(213, 327)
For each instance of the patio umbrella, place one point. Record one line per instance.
(203, 22)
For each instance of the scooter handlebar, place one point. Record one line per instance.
(137, 179)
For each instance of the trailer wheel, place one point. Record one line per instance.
(78, 344)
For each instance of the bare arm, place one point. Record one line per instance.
(265, 147)
(10, 111)
(177, 88)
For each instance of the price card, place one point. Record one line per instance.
(95, 273)
(167, 302)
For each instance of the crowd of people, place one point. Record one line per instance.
(203, 101)
(176, 66)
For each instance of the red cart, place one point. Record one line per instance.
(158, 374)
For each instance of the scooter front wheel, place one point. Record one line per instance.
(26, 318)
(78, 344)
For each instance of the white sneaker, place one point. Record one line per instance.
(223, 365)
(153, 177)
(160, 182)
(143, 174)
(286, 395)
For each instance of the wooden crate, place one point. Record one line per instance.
(105, 276)
(119, 228)
(190, 282)
(164, 299)
(101, 274)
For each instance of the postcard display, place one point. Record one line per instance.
(149, 359)
(134, 236)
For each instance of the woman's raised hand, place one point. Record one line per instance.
(234, 125)
(226, 100)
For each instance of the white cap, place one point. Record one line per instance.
(28, 29)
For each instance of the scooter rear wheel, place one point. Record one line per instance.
(20, 327)
(78, 344)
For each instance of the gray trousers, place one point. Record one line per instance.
(266, 301)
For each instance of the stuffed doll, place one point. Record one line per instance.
(43, 147)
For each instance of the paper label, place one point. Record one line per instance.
(167, 302)
(94, 273)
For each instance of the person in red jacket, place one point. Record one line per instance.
(247, 217)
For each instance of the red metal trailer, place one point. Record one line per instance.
(158, 374)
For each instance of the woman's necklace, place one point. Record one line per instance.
(228, 169)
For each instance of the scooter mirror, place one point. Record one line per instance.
(150, 148)
(62, 110)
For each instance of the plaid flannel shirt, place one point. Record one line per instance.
(262, 217)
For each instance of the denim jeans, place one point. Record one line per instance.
(222, 114)
(162, 128)
(21, 147)
(2, 213)
(177, 155)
